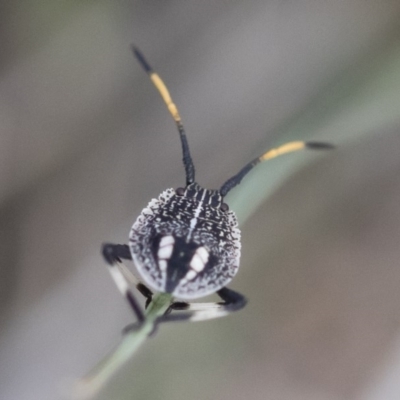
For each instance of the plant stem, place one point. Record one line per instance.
(95, 380)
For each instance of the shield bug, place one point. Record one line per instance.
(187, 241)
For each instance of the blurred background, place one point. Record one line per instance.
(86, 142)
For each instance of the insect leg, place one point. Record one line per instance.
(113, 253)
(232, 301)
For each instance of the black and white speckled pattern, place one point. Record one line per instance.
(195, 219)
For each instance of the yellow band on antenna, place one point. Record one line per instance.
(159, 84)
(286, 148)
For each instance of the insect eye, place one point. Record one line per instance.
(224, 207)
(180, 191)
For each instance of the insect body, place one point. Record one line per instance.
(187, 242)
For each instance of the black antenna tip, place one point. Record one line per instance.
(140, 57)
(319, 146)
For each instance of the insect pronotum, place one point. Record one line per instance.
(187, 241)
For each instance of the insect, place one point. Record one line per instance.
(187, 241)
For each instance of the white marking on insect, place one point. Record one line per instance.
(165, 252)
(197, 263)
(167, 240)
(203, 254)
(119, 280)
(163, 265)
(208, 314)
(197, 212)
(199, 259)
(190, 275)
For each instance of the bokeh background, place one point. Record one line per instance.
(85, 142)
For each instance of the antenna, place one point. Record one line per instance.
(159, 84)
(272, 153)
